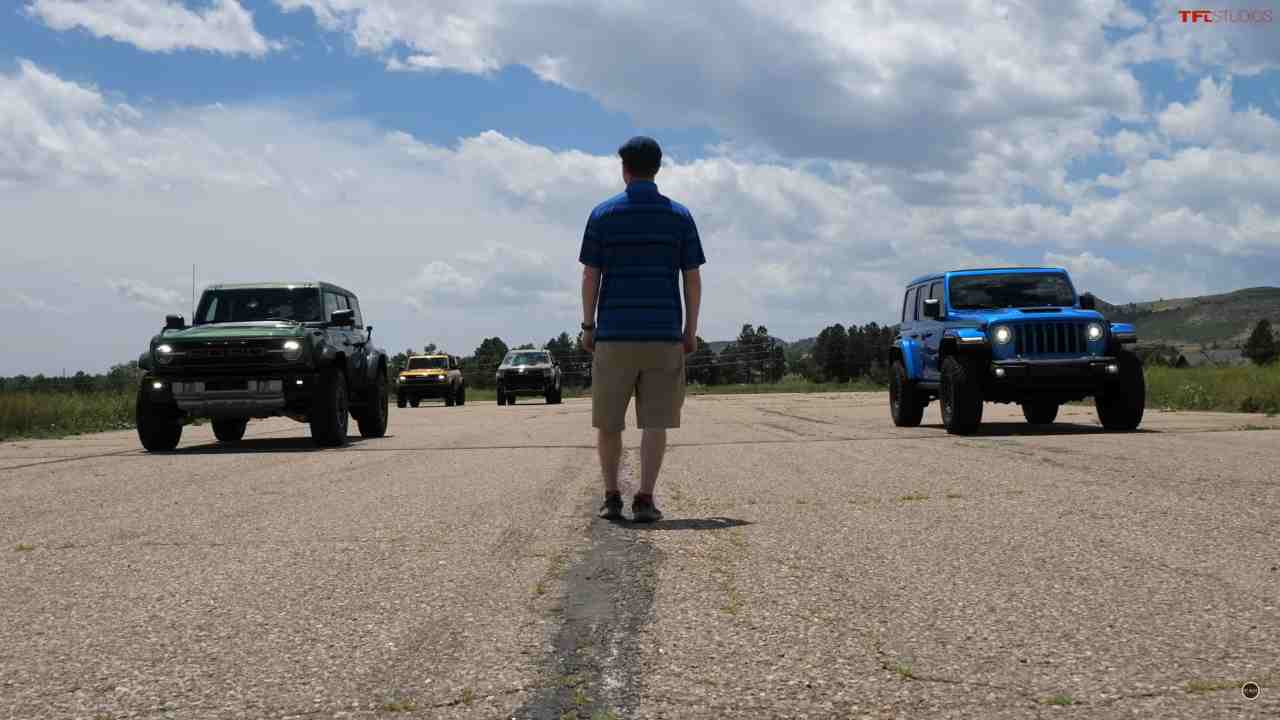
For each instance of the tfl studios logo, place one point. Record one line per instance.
(1245, 16)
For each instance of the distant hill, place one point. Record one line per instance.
(1225, 319)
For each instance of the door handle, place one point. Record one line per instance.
(915, 336)
(928, 335)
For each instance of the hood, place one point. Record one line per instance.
(225, 331)
(1006, 315)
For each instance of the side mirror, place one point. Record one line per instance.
(933, 308)
(174, 322)
(343, 318)
(1088, 302)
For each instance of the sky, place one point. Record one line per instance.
(440, 158)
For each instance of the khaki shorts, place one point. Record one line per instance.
(654, 371)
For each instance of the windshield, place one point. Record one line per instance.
(528, 358)
(428, 363)
(973, 292)
(257, 304)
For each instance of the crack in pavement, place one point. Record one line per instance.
(595, 654)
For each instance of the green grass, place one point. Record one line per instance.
(55, 414)
(1231, 389)
(790, 384)
(1058, 700)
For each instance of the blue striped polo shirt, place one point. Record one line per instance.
(641, 240)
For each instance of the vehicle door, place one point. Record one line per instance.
(359, 340)
(908, 336)
(930, 330)
(339, 337)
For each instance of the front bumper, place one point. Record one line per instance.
(530, 383)
(424, 388)
(234, 396)
(1081, 372)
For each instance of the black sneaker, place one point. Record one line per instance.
(643, 510)
(612, 507)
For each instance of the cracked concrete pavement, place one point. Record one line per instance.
(815, 562)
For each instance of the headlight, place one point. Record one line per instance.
(164, 354)
(1002, 334)
(292, 350)
(1095, 331)
(399, 378)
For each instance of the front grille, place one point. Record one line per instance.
(1050, 338)
(233, 352)
(530, 379)
(430, 380)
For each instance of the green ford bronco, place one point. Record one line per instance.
(299, 350)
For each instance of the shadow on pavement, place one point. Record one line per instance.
(715, 523)
(262, 445)
(1016, 429)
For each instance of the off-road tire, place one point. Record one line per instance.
(502, 397)
(400, 401)
(905, 406)
(330, 412)
(415, 402)
(373, 417)
(229, 430)
(1123, 400)
(1040, 412)
(159, 428)
(449, 398)
(960, 396)
(462, 394)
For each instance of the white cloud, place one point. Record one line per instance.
(1210, 120)
(148, 296)
(915, 86)
(222, 26)
(453, 244)
(1241, 48)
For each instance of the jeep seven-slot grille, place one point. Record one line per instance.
(1050, 338)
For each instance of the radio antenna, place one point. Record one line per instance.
(193, 292)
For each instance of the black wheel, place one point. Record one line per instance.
(329, 410)
(229, 430)
(511, 398)
(905, 406)
(159, 428)
(1123, 400)
(961, 397)
(400, 401)
(502, 397)
(1040, 412)
(450, 398)
(462, 394)
(415, 402)
(373, 418)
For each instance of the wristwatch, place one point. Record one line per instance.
(588, 326)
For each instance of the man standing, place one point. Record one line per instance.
(635, 248)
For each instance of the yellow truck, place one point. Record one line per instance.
(435, 376)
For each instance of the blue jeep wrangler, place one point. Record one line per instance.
(1010, 335)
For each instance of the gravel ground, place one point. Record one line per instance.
(815, 562)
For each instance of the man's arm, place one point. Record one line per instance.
(590, 293)
(692, 304)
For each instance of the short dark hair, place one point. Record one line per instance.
(641, 156)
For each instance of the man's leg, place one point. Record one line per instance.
(653, 446)
(609, 445)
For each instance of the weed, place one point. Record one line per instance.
(399, 706)
(468, 696)
(1059, 699)
(913, 497)
(1208, 685)
(23, 547)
